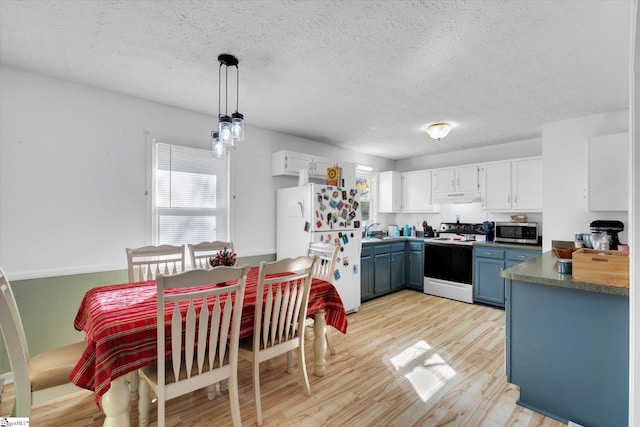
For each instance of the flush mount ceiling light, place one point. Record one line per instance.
(230, 129)
(438, 130)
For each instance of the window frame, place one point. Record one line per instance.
(152, 235)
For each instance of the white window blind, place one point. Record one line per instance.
(191, 195)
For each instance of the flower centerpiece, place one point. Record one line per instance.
(223, 258)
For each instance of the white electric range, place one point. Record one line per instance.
(448, 261)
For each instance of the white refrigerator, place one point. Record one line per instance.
(322, 213)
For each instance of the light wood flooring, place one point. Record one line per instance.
(408, 359)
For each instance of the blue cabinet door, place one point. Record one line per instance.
(366, 274)
(488, 285)
(382, 273)
(398, 269)
(416, 270)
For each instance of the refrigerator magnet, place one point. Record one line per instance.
(355, 205)
(307, 226)
(336, 275)
(352, 214)
(356, 224)
(319, 224)
(340, 234)
(353, 191)
(345, 261)
(339, 205)
(333, 204)
(343, 214)
(337, 242)
(345, 239)
(326, 197)
(335, 194)
(344, 195)
(355, 268)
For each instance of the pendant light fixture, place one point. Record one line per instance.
(230, 129)
(438, 130)
(219, 152)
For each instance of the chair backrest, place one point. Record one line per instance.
(147, 262)
(280, 315)
(210, 329)
(201, 252)
(16, 343)
(326, 265)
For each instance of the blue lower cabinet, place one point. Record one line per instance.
(568, 351)
(389, 267)
(366, 273)
(488, 263)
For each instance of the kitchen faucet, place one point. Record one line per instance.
(367, 229)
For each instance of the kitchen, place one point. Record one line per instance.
(112, 210)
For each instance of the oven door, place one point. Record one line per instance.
(451, 262)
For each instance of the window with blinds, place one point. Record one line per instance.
(191, 195)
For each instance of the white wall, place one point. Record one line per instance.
(564, 165)
(73, 175)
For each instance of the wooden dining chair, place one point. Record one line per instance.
(325, 267)
(41, 377)
(201, 252)
(203, 346)
(147, 262)
(281, 309)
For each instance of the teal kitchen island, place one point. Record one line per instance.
(567, 344)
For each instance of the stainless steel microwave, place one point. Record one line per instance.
(517, 232)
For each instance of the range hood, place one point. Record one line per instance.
(460, 197)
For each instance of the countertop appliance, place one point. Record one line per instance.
(321, 213)
(612, 228)
(517, 232)
(448, 261)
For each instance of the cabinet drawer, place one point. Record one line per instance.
(367, 251)
(489, 253)
(521, 256)
(382, 249)
(416, 246)
(397, 247)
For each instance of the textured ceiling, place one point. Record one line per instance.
(364, 75)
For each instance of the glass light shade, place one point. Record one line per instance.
(218, 149)
(238, 126)
(225, 130)
(438, 130)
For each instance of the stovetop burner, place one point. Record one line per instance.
(460, 228)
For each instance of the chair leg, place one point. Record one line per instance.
(303, 371)
(290, 362)
(256, 391)
(133, 386)
(234, 400)
(144, 402)
(327, 334)
(211, 391)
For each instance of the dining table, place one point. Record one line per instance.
(120, 321)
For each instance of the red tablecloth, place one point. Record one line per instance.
(120, 325)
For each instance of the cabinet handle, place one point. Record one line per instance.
(522, 256)
(488, 253)
(515, 199)
(508, 199)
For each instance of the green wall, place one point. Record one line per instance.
(49, 306)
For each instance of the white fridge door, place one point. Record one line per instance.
(335, 208)
(346, 277)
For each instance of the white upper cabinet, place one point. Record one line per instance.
(389, 191)
(456, 185)
(526, 182)
(416, 192)
(287, 162)
(496, 186)
(512, 185)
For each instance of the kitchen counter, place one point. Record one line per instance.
(567, 344)
(543, 270)
(378, 240)
(509, 245)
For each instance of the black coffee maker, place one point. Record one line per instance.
(612, 228)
